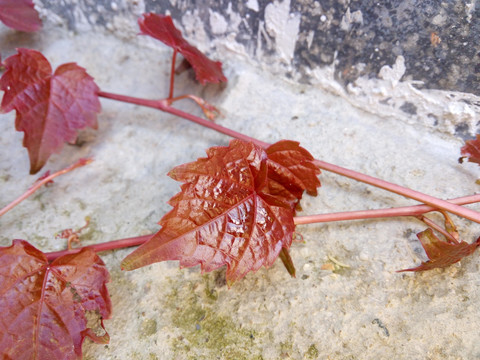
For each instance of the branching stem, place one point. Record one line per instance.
(106, 246)
(400, 190)
(163, 106)
(416, 210)
(436, 227)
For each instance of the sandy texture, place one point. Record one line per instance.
(364, 310)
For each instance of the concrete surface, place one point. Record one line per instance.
(364, 310)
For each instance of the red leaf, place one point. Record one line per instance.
(221, 217)
(291, 171)
(161, 27)
(43, 305)
(471, 150)
(441, 253)
(50, 108)
(20, 15)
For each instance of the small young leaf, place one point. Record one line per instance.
(43, 305)
(20, 15)
(471, 150)
(161, 27)
(221, 217)
(50, 107)
(441, 253)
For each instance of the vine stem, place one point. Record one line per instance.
(110, 245)
(415, 210)
(37, 185)
(400, 190)
(432, 224)
(164, 106)
(397, 189)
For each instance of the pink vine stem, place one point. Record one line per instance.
(438, 228)
(400, 190)
(415, 210)
(106, 246)
(37, 185)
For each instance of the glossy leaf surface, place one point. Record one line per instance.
(224, 215)
(44, 305)
(161, 27)
(441, 253)
(291, 171)
(50, 107)
(20, 15)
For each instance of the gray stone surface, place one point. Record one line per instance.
(438, 39)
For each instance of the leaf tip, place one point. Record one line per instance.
(287, 262)
(35, 167)
(125, 265)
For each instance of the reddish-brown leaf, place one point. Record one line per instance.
(161, 27)
(471, 150)
(44, 305)
(224, 214)
(20, 15)
(441, 253)
(291, 171)
(50, 107)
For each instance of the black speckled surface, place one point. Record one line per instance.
(438, 39)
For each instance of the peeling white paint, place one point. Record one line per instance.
(234, 19)
(310, 36)
(218, 24)
(470, 9)
(384, 96)
(439, 19)
(324, 78)
(349, 18)
(459, 111)
(436, 109)
(231, 46)
(253, 5)
(195, 30)
(395, 73)
(284, 27)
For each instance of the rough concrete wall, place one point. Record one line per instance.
(364, 310)
(438, 39)
(347, 301)
(390, 57)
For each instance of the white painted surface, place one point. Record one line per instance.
(283, 26)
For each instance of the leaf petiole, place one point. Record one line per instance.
(430, 223)
(172, 75)
(210, 111)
